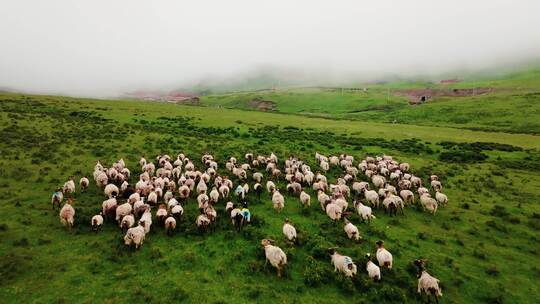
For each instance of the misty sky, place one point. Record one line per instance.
(106, 47)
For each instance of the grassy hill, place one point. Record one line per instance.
(512, 106)
(483, 246)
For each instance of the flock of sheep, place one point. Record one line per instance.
(172, 182)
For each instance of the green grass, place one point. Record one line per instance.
(479, 252)
(513, 107)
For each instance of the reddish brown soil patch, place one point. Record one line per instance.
(262, 105)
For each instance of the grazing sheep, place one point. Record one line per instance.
(305, 199)
(426, 283)
(274, 255)
(170, 225)
(364, 212)
(57, 198)
(289, 231)
(111, 190)
(202, 222)
(177, 211)
(127, 222)
(407, 196)
(378, 181)
(123, 210)
(372, 197)
(214, 195)
(109, 207)
(229, 207)
(278, 200)
(67, 214)
(161, 214)
(428, 203)
(323, 199)
(270, 186)
(135, 236)
(258, 190)
(237, 218)
(69, 186)
(84, 182)
(351, 230)
(334, 211)
(101, 179)
(146, 218)
(384, 257)
(343, 263)
(152, 198)
(374, 271)
(97, 222)
(184, 192)
(421, 191)
(441, 198)
(436, 185)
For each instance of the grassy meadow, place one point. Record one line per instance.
(484, 246)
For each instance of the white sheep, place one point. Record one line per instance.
(67, 214)
(84, 182)
(146, 218)
(123, 210)
(374, 271)
(274, 255)
(351, 230)
(407, 196)
(372, 197)
(334, 211)
(426, 283)
(111, 190)
(109, 207)
(202, 221)
(97, 222)
(278, 200)
(170, 225)
(305, 199)
(364, 212)
(177, 211)
(135, 236)
(127, 222)
(428, 203)
(441, 198)
(384, 257)
(289, 231)
(69, 186)
(343, 263)
(270, 186)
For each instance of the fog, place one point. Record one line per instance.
(103, 48)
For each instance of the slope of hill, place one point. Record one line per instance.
(512, 103)
(483, 246)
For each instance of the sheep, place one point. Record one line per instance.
(168, 196)
(161, 214)
(146, 218)
(170, 225)
(229, 207)
(135, 236)
(101, 179)
(111, 190)
(237, 218)
(426, 283)
(201, 187)
(436, 185)
(127, 222)
(294, 188)
(378, 181)
(67, 214)
(278, 200)
(374, 271)
(351, 230)
(184, 192)
(305, 199)
(214, 195)
(421, 191)
(364, 212)
(289, 231)
(334, 211)
(202, 200)
(69, 186)
(123, 210)
(97, 222)
(57, 198)
(428, 203)
(109, 207)
(177, 211)
(257, 177)
(323, 199)
(152, 198)
(384, 257)
(372, 197)
(202, 222)
(441, 198)
(407, 196)
(275, 256)
(258, 190)
(84, 182)
(359, 186)
(270, 187)
(343, 263)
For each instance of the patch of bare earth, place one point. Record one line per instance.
(260, 104)
(416, 95)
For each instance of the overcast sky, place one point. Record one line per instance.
(100, 47)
